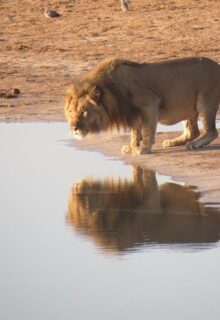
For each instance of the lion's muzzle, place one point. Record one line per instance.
(78, 134)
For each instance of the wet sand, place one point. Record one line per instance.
(200, 168)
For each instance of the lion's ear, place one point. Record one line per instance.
(70, 92)
(95, 94)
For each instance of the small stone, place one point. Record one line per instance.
(51, 14)
(16, 91)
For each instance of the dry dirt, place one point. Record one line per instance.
(41, 56)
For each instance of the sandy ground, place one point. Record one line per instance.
(41, 57)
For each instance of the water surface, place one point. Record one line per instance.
(85, 237)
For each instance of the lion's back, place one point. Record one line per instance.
(178, 83)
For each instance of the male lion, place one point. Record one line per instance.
(120, 93)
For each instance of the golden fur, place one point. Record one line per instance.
(120, 93)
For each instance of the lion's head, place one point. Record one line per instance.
(100, 103)
(84, 111)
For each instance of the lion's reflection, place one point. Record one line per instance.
(121, 214)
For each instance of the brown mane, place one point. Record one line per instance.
(122, 113)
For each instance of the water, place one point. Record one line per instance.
(84, 237)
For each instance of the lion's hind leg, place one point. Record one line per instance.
(207, 107)
(191, 132)
(210, 133)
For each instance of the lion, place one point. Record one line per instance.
(120, 93)
(121, 214)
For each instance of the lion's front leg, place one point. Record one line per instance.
(141, 140)
(147, 133)
(149, 126)
(148, 138)
(134, 142)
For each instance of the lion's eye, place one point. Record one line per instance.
(85, 113)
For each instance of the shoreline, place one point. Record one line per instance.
(198, 168)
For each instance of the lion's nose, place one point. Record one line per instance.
(76, 127)
(73, 129)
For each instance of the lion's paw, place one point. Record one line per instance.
(192, 145)
(139, 151)
(126, 149)
(167, 143)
